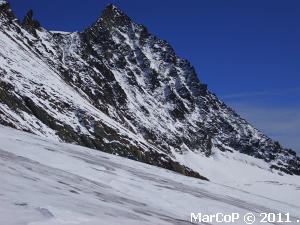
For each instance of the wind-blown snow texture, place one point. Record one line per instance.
(45, 182)
(117, 88)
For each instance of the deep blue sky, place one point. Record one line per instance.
(248, 52)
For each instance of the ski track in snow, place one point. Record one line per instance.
(44, 182)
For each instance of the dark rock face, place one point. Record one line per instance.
(117, 88)
(29, 23)
(6, 12)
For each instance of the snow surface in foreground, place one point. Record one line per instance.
(43, 182)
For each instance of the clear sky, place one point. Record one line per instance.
(248, 52)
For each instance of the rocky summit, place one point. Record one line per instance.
(116, 87)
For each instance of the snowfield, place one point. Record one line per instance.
(44, 182)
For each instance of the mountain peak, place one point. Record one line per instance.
(113, 10)
(29, 23)
(115, 87)
(113, 16)
(6, 11)
(112, 7)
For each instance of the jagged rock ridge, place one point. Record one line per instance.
(118, 88)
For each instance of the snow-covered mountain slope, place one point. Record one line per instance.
(45, 182)
(117, 88)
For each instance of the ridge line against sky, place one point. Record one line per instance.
(248, 52)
